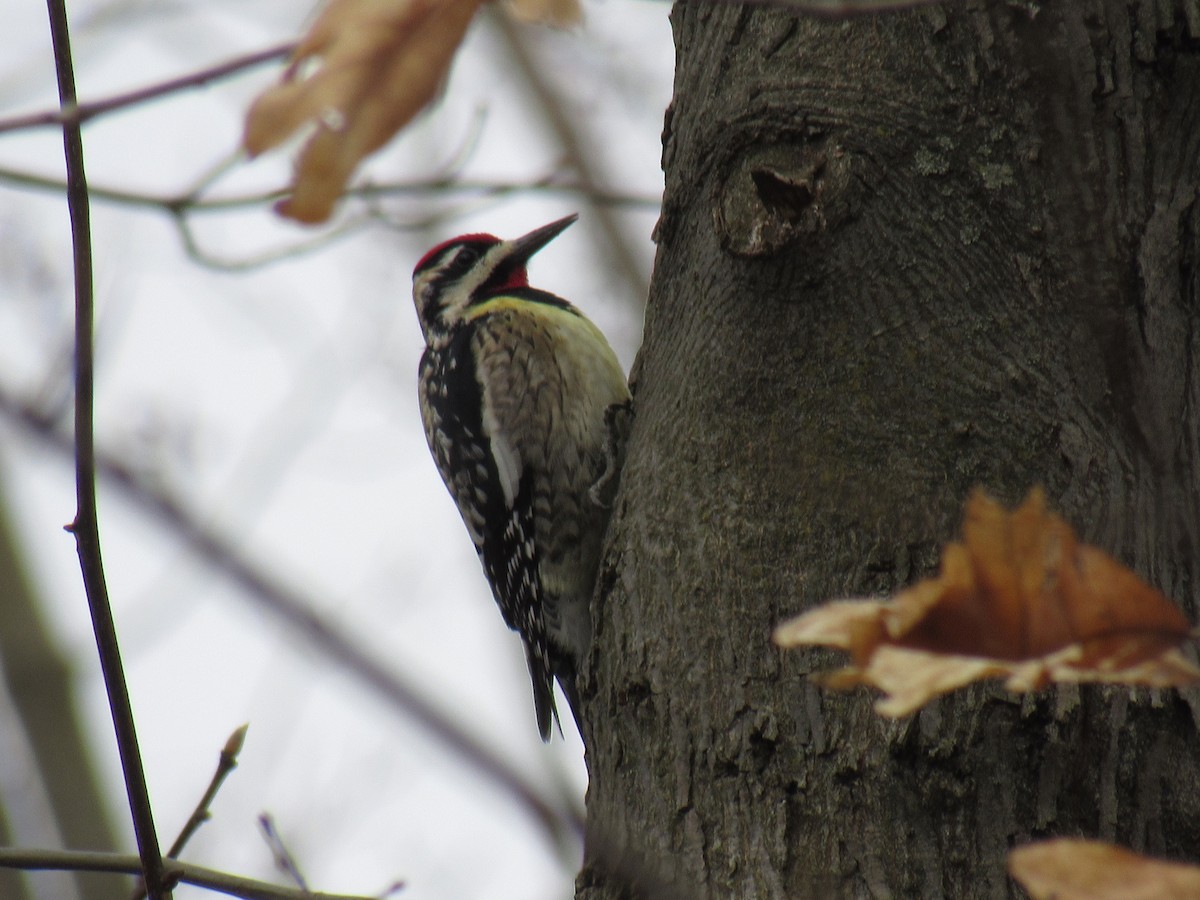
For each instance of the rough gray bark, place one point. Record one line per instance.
(899, 256)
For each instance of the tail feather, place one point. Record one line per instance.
(543, 694)
(566, 678)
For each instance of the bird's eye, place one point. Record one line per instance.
(467, 256)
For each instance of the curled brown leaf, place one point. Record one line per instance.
(361, 73)
(559, 13)
(1066, 869)
(1018, 598)
(375, 64)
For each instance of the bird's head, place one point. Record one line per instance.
(467, 269)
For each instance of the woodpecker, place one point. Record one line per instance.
(525, 409)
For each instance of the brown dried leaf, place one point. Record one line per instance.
(559, 13)
(1019, 598)
(1065, 869)
(378, 62)
(853, 625)
(911, 678)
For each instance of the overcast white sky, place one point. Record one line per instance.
(280, 402)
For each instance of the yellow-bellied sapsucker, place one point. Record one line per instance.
(525, 408)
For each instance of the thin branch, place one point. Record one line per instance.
(226, 763)
(79, 113)
(177, 872)
(284, 861)
(189, 203)
(227, 557)
(181, 207)
(197, 254)
(86, 527)
(576, 148)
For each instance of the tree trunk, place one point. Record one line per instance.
(899, 256)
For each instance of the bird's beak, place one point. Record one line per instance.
(524, 247)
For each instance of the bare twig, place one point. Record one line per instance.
(226, 763)
(42, 685)
(191, 203)
(228, 558)
(555, 115)
(78, 113)
(181, 207)
(199, 255)
(86, 527)
(176, 872)
(284, 861)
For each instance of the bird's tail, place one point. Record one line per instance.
(566, 678)
(543, 693)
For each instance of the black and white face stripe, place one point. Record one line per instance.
(459, 258)
(447, 277)
(468, 270)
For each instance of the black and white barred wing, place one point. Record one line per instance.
(493, 489)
